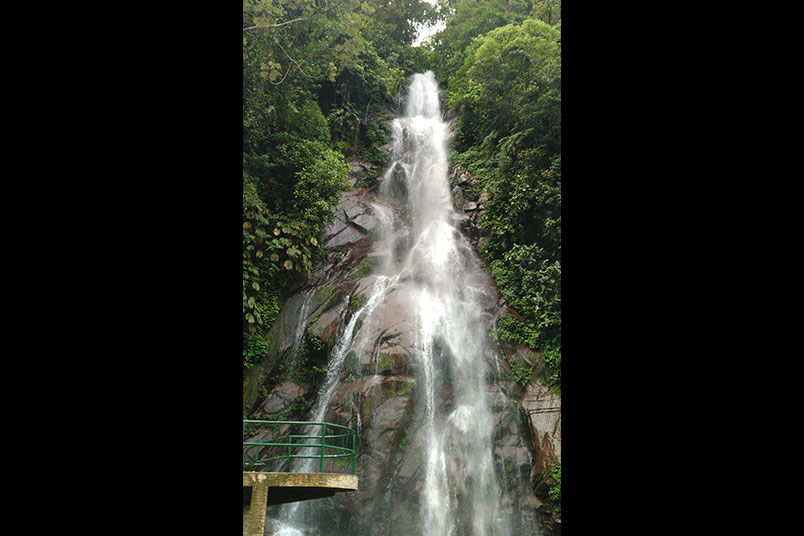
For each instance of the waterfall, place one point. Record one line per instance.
(446, 302)
(461, 494)
(304, 312)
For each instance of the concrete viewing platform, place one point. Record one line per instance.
(288, 487)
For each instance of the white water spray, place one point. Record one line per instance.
(461, 494)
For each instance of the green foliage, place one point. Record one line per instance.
(308, 365)
(468, 20)
(362, 270)
(355, 303)
(318, 185)
(254, 349)
(385, 363)
(377, 132)
(509, 87)
(274, 247)
(552, 361)
(404, 443)
(315, 343)
(522, 372)
(531, 284)
(295, 408)
(554, 493)
(548, 11)
(511, 330)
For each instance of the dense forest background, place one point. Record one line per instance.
(320, 79)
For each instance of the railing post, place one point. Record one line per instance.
(323, 440)
(290, 440)
(354, 451)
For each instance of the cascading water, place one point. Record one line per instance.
(299, 335)
(461, 494)
(449, 309)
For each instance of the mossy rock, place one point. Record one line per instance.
(385, 364)
(378, 394)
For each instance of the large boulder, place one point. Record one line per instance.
(542, 410)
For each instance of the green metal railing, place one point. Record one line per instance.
(259, 454)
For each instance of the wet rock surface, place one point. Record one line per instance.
(469, 201)
(281, 397)
(378, 394)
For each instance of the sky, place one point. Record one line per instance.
(426, 31)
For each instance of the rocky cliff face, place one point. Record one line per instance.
(377, 393)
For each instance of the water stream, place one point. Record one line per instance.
(448, 305)
(461, 494)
